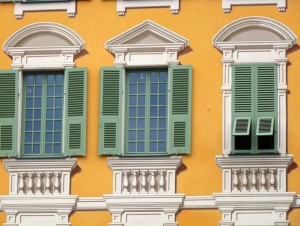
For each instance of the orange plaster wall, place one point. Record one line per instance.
(198, 20)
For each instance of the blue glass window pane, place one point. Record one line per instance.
(153, 100)
(49, 125)
(132, 123)
(28, 137)
(29, 114)
(58, 102)
(57, 125)
(49, 114)
(141, 123)
(163, 88)
(162, 135)
(36, 149)
(29, 91)
(50, 79)
(141, 135)
(153, 123)
(48, 148)
(142, 77)
(162, 99)
(58, 90)
(29, 102)
(153, 135)
(30, 80)
(132, 100)
(132, 112)
(141, 112)
(57, 137)
(154, 77)
(49, 137)
(59, 79)
(131, 147)
(38, 91)
(27, 149)
(39, 80)
(133, 77)
(57, 149)
(37, 114)
(37, 126)
(153, 147)
(36, 137)
(58, 114)
(153, 88)
(38, 102)
(162, 123)
(162, 111)
(50, 91)
(153, 111)
(132, 135)
(28, 126)
(161, 146)
(132, 89)
(140, 147)
(50, 101)
(142, 88)
(141, 100)
(163, 77)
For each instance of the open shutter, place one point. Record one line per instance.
(111, 110)
(265, 126)
(75, 111)
(9, 81)
(180, 110)
(241, 126)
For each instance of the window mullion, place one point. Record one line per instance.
(147, 113)
(43, 114)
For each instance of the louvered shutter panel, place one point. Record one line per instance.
(111, 110)
(241, 126)
(9, 81)
(75, 112)
(265, 126)
(180, 110)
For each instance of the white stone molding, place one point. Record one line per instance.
(227, 4)
(44, 45)
(254, 40)
(147, 44)
(39, 192)
(252, 174)
(122, 5)
(144, 175)
(269, 209)
(199, 202)
(69, 6)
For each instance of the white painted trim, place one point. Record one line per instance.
(199, 202)
(130, 53)
(69, 6)
(122, 5)
(254, 52)
(227, 4)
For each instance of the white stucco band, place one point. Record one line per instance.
(254, 40)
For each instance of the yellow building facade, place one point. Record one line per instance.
(211, 185)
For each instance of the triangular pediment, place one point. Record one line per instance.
(147, 33)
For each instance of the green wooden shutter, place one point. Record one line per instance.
(265, 126)
(75, 111)
(9, 81)
(111, 110)
(241, 126)
(180, 110)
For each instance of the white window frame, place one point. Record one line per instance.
(38, 57)
(256, 51)
(227, 4)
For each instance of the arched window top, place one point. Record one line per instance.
(254, 30)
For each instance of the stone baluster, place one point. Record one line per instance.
(272, 180)
(152, 181)
(263, 180)
(48, 183)
(21, 186)
(235, 181)
(245, 180)
(135, 182)
(56, 184)
(162, 181)
(30, 184)
(38, 184)
(144, 181)
(254, 180)
(125, 182)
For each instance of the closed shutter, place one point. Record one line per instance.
(180, 110)
(75, 112)
(111, 110)
(9, 81)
